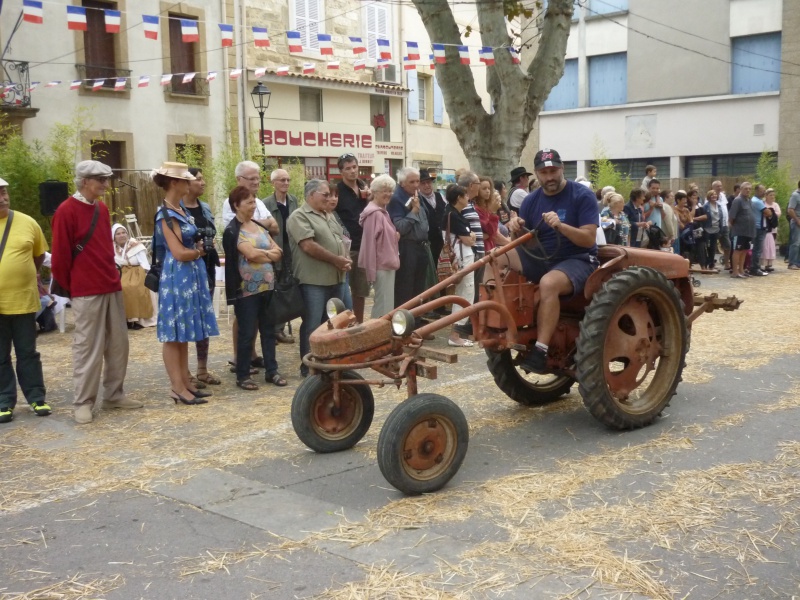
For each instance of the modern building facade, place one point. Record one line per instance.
(698, 89)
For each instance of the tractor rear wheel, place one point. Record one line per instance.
(528, 389)
(321, 425)
(632, 348)
(423, 443)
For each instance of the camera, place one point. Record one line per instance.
(205, 235)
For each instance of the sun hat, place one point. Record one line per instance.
(175, 170)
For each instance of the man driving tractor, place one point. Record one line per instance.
(566, 216)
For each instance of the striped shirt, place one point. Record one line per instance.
(471, 215)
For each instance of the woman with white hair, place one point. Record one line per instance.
(380, 255)
(133, 264)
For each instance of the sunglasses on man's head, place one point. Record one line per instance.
(347, 156)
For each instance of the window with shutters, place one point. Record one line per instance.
(423, 84)
(377, 25)
(308, 17)
(310, 105)
(379, 105)
(756, 63)
(182, 57)
(565, 93)
(608, 79)
(100, 53)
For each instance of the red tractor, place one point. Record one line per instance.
(624, 341)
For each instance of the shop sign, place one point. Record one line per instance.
(305, 138)
(394, 150)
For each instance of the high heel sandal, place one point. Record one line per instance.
(199, 394)
(183, 400)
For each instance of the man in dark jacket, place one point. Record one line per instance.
(282, 204)
(436, 206)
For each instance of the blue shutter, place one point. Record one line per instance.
(413, 96)
(564, 94)
(603, 7)
(608, 79)
(756, 63)
(438, 103)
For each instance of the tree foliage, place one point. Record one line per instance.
(779, 178)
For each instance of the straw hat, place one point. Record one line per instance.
(175, 170)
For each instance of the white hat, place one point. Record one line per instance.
(3, 182)
(175, 170)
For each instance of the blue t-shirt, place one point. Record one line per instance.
(757, 206)
(575, 205)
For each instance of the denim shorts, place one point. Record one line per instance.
(577, 268)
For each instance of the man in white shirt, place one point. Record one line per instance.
(248, 174)
(724, 232)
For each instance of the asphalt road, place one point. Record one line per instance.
(223, 501)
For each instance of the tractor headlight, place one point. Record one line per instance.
(403, 322)
(334, 307)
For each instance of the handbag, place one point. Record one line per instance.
(153, 277)
(55, 287)
(447, 264)
(286, 302)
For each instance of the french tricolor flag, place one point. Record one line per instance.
(119, 84)
(187, 77)
(211, 76)
(358, 45)
(189, 31)
(514, 55)
(259, 72)
(408, 64)
(76, 18)
(113, 20)
(382, 63)
(150, 23)
(309, 68)
(487, 55)
(235, 73)
(463, 52)
(166, 79)
(261, 37)
(32, 11)
(433, 62)
(325, 43)
(226, 32)
(295, 45)
(284, 70)
(383, 48)
(333, 65)
(33, 86)
(412, 50)
(75, 84)
(359, 64)
(52, 84)
(98, 83)
(144, 81)
(438, 53)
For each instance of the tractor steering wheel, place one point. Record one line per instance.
(534, 244)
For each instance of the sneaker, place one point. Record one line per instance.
(41, 408)
(794, 268)
(535, 361)
(758, 273)
(6, 414)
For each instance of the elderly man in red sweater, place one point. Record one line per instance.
(83, 263)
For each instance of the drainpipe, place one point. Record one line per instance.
(403, 100)
(239, 26)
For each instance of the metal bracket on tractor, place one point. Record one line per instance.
(624, 341)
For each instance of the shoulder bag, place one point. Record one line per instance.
(153, 277)
(5, 234)
(55, 287)
(286, 300)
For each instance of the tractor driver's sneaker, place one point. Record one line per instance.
(535, 361)
(6, 414)
(41, 408)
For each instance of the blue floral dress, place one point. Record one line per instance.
(185, 311)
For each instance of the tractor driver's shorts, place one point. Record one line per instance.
(577, 268)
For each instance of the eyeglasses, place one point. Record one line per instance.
(284, 180)
(347, 156)
(325, 195)
(100, 179)
(253, 178)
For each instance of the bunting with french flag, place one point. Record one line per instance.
(75, 84)
(211, 76)
(189, 31)
(144, 81)
(487, 55)
(235, 73)
(166, 78)
(383, 48)
(295, 45)
(325, 44)
(382, 63)
(412, 50)
(150, 23)
(333, 65)
(260, 72)
(408, 64)
(113, 20)
(433, 62)
(119, 84)
(514, 55)
(359, 64)
(283, 70)
(52, 84)
(261, 37)
(76, 18)
(358, 45)
(33, 86)
(97, 84)
(32, 11)
(438, 53)
(309, 68)
(463, 52)
(226, 33)
(188, 77)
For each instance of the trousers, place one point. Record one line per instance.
(21, 331)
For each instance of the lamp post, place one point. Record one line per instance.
(261, 96)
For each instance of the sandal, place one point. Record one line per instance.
(198, 383)
(276, 379)
(247, 384)
(460, 343)
(253, 370)
(208, 378)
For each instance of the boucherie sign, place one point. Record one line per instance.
(304, 138)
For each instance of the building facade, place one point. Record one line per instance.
(698, 89)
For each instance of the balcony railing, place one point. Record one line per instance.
(196, 87)
(92, 73)
(15, 91)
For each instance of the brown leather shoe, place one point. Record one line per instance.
(282, 338)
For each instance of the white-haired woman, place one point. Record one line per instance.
(380, 255)
(131, 257)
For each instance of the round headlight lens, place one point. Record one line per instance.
(334, 307)
(403, 322)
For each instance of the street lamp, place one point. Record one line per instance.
(261, 96)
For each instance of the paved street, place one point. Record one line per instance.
(223, 501)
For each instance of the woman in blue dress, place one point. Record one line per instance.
(185, 310)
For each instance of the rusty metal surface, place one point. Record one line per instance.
(710, 302)
(617, 258)
(346, 337)
(425, 445)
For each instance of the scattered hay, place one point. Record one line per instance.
(384, 582)
(73, 588)
(212, 561)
